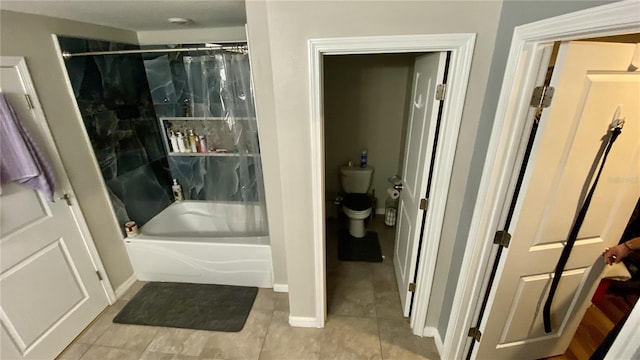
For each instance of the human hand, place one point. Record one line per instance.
(615, 254)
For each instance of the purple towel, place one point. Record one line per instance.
(20, 158)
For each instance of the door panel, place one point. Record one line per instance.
(428, 72)
(591, 83)
(29, 208)
(523, 324)
(50, 289)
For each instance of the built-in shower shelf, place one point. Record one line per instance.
(212, 154)
(206, 118)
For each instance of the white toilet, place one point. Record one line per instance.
(356, 204)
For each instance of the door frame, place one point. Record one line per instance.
(461, 48)
(62, 180)
(494, 192)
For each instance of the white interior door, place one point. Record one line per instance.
(420, 141)
(50, 289)
(590, 81)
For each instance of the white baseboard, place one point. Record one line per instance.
(303, 321)
(125, 286)
(284, 288)
(433, 333)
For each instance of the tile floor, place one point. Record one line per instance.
(365, 322)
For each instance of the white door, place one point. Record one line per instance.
(591, 82)
(420, 141)
(49, 287)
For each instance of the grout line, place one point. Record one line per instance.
(264, 340)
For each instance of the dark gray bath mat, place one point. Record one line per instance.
(189, 306)
(359, 249)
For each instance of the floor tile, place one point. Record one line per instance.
(350, 296)
(385, 293)
(245, 344)
(282, 302)
(133, 290)
(265, 299)
(96, 352)
(398, 341)
(178, 341)
(74, 351)
(130, 337)
(101, 324)
(284, 342)
(350, 338)
(149, 355)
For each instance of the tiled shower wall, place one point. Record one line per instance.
(119, 117)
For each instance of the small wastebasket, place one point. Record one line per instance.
(390, 211)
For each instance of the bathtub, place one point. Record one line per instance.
(204, 242)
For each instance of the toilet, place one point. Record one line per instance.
(356, 204)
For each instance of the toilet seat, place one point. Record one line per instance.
(357, 202)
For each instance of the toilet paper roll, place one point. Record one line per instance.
(393, 193)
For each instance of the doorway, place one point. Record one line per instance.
(461, 47)
(519, 81)
(368, 102)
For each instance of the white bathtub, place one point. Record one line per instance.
(204, 242)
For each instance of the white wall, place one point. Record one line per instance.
(286, 27)
(30, 36)
(366, 103)
(191, 36)
(260, 56)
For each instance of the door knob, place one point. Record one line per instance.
(398, 187)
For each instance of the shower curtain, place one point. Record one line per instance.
(218, 106)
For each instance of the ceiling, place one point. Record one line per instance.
(137, 15)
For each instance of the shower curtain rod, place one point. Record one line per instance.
(242, 49)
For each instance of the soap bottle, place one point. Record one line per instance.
(203, 144)
(363, 158)
(193, 142)
(177, 191)
(174, 142)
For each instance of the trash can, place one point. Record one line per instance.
(390, 211)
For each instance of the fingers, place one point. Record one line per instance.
(610, 256)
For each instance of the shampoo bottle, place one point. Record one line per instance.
(177, 191)
(193, 141)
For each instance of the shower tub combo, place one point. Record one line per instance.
(204, 242)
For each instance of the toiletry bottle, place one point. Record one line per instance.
(203, 144)
(185, 140)
(177, 191)
(174, 142)
(363, 158)
(193, 141)
(180, 140)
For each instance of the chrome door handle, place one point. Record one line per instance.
(398, 187)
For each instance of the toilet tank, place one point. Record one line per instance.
(355, 179)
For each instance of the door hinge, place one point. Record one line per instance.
(66, 198)
(475, 333)
(502, 238)
(99, 275)
(441, 91)
(424, 204)
(542, 96)
(412, 287)
(29, 101)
